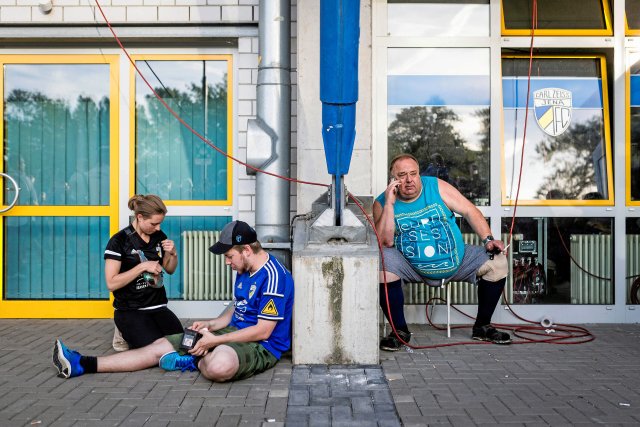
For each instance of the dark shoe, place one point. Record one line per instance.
(392, 343)
(66, 361)
(489, 333)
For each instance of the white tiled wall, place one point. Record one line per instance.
(131, 11)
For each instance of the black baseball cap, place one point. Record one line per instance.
(234, 233)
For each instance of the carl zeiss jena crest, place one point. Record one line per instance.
(552, 107)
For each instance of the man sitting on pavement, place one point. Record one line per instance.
(249, 337)
(422, 243)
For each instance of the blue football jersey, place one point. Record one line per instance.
(265, 294)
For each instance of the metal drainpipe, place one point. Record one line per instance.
(269, 135)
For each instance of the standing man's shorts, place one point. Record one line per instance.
(253, 357)
(475, 264)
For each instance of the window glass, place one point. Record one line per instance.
(56, 135)
(438, 111)
(633, 261)
(567, 142)
(556, 14)
(440, 18)
(632, 9)
(200, 275)
(560, 261)
(171, 161)
(55, 257)
(634, 118)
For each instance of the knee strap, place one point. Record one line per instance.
(494, 269)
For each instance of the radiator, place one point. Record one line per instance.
(461, 292)
(593, 253)
(633, 261)
(205, 275)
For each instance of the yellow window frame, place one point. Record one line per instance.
(630, 31)
(607, 139)
(627, 150)
(132, 130)
(607, 31)
(55, 308)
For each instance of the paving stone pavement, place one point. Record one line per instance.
(339, 395)
(476, 385)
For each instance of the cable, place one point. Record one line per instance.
(633, 293)
(184, 123)
(534, 24)
(573, 260)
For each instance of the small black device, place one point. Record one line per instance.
(189, 339)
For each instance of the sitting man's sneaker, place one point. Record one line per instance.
(392, 343)
(66, 361)
(175, 362)
(489, 333)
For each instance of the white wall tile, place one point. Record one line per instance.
(15, 14)
(173, 13)
(237, 14)
(206, 14)
(142, 14)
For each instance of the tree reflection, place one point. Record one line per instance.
(570, 156)
(635, 154)
(429, 134)
(171, 161)
(57, 149)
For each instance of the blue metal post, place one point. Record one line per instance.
(339, 39)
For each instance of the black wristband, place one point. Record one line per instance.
(487, 239)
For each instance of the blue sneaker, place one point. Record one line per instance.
(66, 361)
(174, 361)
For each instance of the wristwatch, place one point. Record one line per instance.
(487, 240)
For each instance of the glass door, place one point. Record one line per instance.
(59, 141)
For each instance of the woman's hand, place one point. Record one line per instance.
(152, 267)
(200, 324)
(169, 247)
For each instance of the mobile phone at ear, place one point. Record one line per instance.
(392, 179)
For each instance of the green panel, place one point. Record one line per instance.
(171, 161)
(55, 257)
(57, 135)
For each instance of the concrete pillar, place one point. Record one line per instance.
(336, 302)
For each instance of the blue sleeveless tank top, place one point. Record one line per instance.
(427, 234)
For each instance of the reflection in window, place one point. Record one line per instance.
(634, 159)
(633, 261)
(561, 261)
(170, 160)
(567, 149)
(55, 257)
(632, 9)
(197, 276)
(440, 18)
(57, 134)
(557, 15)
(438, 110)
